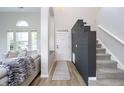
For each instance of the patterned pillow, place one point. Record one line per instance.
(22, 53)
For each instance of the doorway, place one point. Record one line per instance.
(62, 45)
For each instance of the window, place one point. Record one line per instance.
(10, 41)
(20, 40)
(34, 40)
(22, 23)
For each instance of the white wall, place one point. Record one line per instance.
(8, 21)
(65, 18)
(52, 34)
(112, 19)
(51, 40)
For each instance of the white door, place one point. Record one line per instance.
(62, 46)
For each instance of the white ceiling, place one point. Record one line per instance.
(18, 9)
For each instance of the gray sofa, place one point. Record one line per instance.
(6, 73)
(34, 73)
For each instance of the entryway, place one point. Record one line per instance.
(62, 45)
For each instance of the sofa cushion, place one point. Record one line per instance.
(3, 71)
(34, 56)
(4, 81)
(11, 54)
(32, 52)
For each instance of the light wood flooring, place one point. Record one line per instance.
(76, 79)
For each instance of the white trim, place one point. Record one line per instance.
(119, 65)
(22, 23)
(112, 35)
(22, 29)
(44, 76)
(61, 30)
(69, 43)
(92, 78)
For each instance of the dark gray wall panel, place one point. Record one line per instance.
(85, 52)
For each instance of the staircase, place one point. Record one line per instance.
(107, 73)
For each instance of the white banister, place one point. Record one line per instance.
(112, 35)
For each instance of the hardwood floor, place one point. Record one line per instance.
(76, 79)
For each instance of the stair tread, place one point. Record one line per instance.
(107, 82)
(109, 71)
(106, 64)
(105, 61)
(102, 54)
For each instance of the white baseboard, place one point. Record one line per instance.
(113, 57)
(44, 76)
(92, 78)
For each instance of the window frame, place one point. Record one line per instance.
(32, 41)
